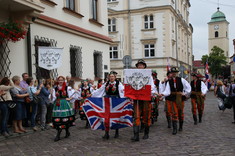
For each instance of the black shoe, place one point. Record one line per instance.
(195, 119)
(57, 138)
(174, 124)
(116, 133)
(136, 133)
(200, 118)
(141, 128)
(168, 121)
(67, 133)
(106, 135)
(146, 132)
(181, 125)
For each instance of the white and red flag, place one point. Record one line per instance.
(137, 83)
(168, 67)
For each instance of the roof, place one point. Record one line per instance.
(198, 64)
(218, 16)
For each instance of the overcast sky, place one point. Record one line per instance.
(200, 14)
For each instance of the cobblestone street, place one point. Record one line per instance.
(214, 136)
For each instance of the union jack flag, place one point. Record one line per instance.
(108, 113)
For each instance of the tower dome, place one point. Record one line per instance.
(218, 16)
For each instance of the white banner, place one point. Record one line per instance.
(49, 57)
(137, 78)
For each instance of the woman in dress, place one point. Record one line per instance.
(63, 113)
(85, 92)
(114, 89)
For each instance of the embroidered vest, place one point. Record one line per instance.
(112, 89)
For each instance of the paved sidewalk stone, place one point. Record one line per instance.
(214, 136)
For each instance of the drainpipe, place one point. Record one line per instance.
(176, 34)
(129, 27)
(29, 51)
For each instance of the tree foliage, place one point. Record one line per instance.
(216, 61)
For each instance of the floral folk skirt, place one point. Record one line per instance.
(63, 114)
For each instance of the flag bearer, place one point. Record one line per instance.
(114, 89)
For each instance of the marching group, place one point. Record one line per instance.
(57, 102)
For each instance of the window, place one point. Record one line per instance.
(111, 0)
(148, 22)
(70, 4)
(76, 61)
(149, 50)
(216, 34)
(113, 51)
(98, 70)
(95, 9)
(112, 25)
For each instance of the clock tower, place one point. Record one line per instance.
(218, 32)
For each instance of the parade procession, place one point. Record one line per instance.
(119, 104)
(117, 77)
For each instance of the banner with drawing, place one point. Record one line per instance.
(137, 84)
(49, 57)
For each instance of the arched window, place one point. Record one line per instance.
(148, 21)
(216, 34)
(112, 25)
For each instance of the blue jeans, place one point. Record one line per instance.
(5, 115)
(33, 114)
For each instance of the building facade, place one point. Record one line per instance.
(157, 31)
(78, 26)
(218, 32)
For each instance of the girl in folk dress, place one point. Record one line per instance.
(63, 113)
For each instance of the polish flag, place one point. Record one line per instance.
(168, 67)
(137, 83)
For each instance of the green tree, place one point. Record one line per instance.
(216, 61)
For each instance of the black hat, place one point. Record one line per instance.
(194, 74)
(113, 72)
(141, 61)
(174, 70)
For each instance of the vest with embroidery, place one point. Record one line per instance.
(112, 90)
(60, 93)
(85, 92)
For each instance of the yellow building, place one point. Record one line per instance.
(155, 31)
(218, 32)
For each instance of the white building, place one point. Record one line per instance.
(77, 26)
(156, 31)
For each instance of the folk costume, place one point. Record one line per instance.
(143, 108)
(113, 89)
(179, 88)
(168, 108)
(155, 99)
(62, 114)
(199, 89)
(85, 92)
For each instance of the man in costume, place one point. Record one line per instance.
(114, 89)
(155, 100)
(199, 90)
(179, 88)
(143, 107)
(168, 108)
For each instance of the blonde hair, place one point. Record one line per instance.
(219, 83)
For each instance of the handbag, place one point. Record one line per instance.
(10, 103)
(36, 99)
(27, 99)
(228, 100)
